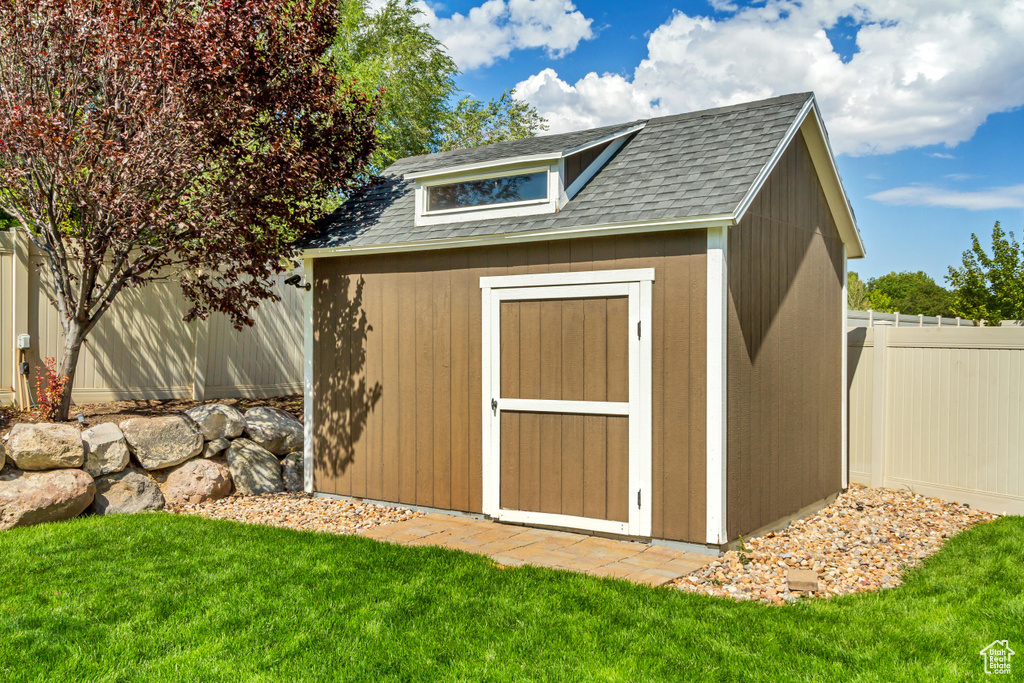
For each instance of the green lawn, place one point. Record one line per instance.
(163, 598)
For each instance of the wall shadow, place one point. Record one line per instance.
(343, 400)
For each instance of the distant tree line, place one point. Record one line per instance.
(985, 287)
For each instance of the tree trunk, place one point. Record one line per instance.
(68, 367)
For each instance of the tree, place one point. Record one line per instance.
(907, 292)
(472, 122)
(990, 288)
(856, 293)
(160, 139)
(391, 53)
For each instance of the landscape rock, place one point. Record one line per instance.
(105, 450)
(274, 430)
(216, 447)
(46, 446)
(197, 481)
(130, 490)
(3, 455)
(218, 421)
(28, 498)
(254, 469)
(292, 473)
(166, 441)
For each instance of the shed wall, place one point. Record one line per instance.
(785, 338)
(397, 353)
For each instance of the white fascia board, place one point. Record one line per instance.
(809, 123)
(484, 166)
(832, 183)
(695, 223)
(595, 167)
(773, 160)
(600, 141)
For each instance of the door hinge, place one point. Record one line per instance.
(638, 499)
(638, 323)
(494, 405)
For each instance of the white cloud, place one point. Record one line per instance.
(941, 155)
(493, 30)
(925, 73)
(1008, 197)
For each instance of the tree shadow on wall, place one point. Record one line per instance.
(342, 399)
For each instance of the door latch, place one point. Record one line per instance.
(494, 405)
(638, 499)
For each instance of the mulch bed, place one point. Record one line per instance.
(863, 541)
(115, 411)
(300, 511)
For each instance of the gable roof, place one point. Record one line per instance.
(701, 168)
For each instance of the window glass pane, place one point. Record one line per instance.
(513, 188)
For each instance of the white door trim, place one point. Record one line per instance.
(634, 284)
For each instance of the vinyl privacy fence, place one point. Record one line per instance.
(939, 411)
(141, 348)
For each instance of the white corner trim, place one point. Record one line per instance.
(845, 388)
(307, 392)
(717, 316)
(595, 277)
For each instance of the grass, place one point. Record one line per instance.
(159, 597)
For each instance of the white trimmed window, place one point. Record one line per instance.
(507, 188)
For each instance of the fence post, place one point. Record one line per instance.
(19, 291)
(200, 355)
(878, 407)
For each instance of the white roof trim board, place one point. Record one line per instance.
(690, 171)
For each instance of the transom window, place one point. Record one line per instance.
(466, 194)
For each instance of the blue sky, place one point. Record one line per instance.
(922, 99)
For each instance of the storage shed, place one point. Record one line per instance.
(636, 330)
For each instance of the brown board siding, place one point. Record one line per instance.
(784, 349)
(397, 385)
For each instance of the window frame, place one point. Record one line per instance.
(527, 207)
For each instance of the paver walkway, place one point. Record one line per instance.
(516, 545)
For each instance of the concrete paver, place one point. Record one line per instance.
(514, 546)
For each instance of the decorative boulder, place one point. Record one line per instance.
(46, 446)
(274, 430)
(125, 492)
(3, 455)
(254, 469)
(28, 498)
(292, 473)
(197, 481)
(214, 448)
(217, 421)
(105, 450)
(160, 442)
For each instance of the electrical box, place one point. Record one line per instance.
(24, 341)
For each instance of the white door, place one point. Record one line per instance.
(567, 400)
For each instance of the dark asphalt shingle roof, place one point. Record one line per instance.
(681, 166)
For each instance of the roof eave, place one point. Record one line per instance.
(577, 232)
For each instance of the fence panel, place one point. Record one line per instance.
(951, 408)
(141, 348)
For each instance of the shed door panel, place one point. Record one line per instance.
(565, 463)
(565, 349)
